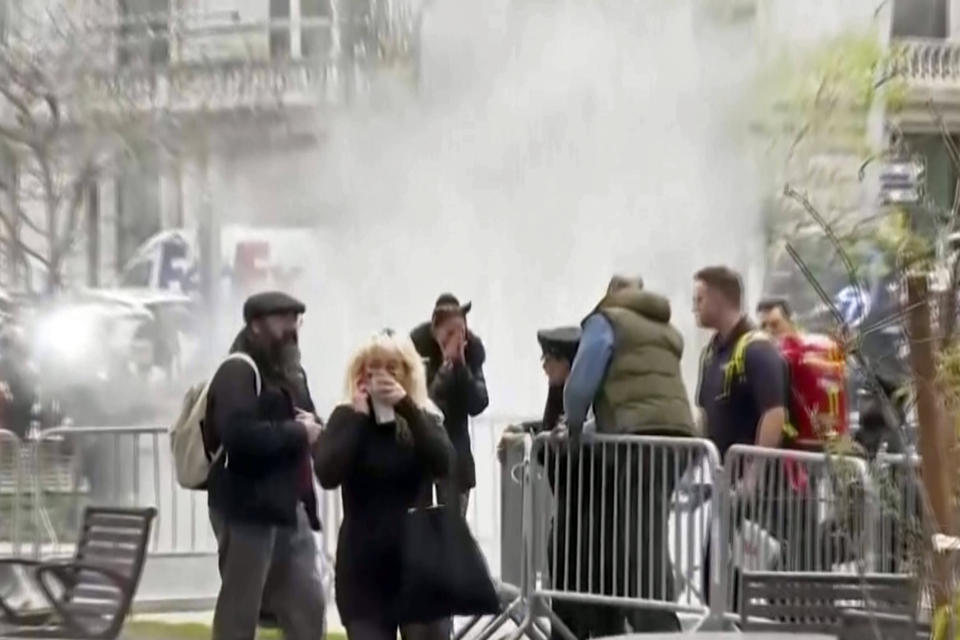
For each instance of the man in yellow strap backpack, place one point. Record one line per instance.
(742, 391)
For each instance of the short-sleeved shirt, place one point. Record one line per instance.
(732, 417)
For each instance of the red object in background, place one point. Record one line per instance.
(818, 395)
(818, 387)
(251, 265)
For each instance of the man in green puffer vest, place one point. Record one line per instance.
(627, 368)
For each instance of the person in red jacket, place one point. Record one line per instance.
(817, 378)
(817, 415)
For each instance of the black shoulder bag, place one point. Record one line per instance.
(444, 572)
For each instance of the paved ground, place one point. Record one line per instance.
(190, 624)
(196, 626)
(152, 630)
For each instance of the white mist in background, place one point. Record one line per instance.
(550, 146)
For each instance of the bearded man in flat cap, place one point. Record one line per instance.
(258, 431)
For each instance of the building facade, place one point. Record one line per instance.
(231, 99)
(926, 37)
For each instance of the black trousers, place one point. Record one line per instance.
(609, 537)
(379, 630)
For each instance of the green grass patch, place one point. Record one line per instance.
(148, 630)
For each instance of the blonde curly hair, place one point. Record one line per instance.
(383, 347)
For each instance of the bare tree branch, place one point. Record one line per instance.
(792, 193)
(36, 255)
(80, 185)
(14, 198)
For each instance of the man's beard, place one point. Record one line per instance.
(289, 359)
(282, 355)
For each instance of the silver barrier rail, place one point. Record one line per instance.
(12, 458)
(904, 523)
(794, 511)
(120, 466)
(900, 513)
(622, 531)
(516, 602)
(331, 516)
(492, 503)
(132, 466)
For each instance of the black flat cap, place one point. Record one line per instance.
(446, 300)
(270, 303)
(561, 342)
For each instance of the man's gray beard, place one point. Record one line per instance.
(290, 360)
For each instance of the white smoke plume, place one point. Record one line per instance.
(550, 145)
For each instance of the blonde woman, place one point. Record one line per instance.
(385, 449)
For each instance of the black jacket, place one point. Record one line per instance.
(264, 473)
(381, 478)
(460, 392)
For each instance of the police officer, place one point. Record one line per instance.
(558, 349)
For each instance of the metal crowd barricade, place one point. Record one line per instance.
(71, 467)
(515, 598)
(12, 455)
(900, 533)
(904, 524)
(620, 531)
(118, 466)
(794, 511)
(331, 517)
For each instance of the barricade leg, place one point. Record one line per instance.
(559, 629)
(465, 629)
(529, 627)
(512, 612)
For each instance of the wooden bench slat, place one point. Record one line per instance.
(817, 602)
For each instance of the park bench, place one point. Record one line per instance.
(88, 596)
(816, 602)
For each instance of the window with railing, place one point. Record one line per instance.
(143, 34)
(315, 28)
(138, 205)
(4, 20)
(279, 28)
(920, 19)
(162, 31)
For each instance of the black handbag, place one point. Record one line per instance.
(444, 572)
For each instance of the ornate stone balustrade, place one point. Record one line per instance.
(213, 86)
(929, 62)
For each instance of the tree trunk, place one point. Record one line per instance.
(935, 445)
(53, 276)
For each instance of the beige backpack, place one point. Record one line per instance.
(186, 438)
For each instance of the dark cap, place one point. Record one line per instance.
(448, 305)
(270, 303)
(561, 342)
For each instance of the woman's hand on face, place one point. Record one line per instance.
(455, 347)
(387, 390)
(361, 399)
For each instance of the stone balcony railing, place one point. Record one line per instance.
(214, 86)
(235, 67)
(934, 63)
(930, 72)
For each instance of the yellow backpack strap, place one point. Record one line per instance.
(736, 367)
